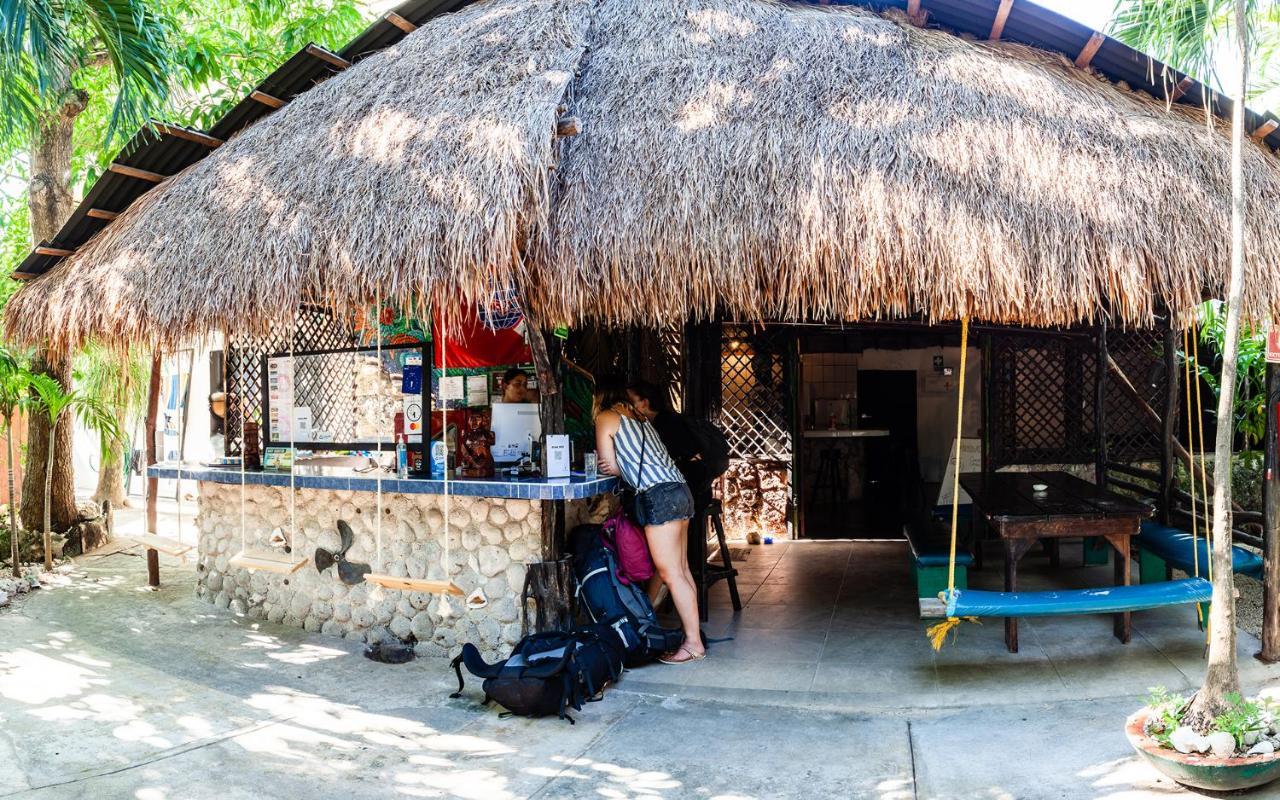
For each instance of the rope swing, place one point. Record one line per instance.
(427, 585)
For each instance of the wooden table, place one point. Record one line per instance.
(1069, 507)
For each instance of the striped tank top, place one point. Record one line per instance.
(657, 466)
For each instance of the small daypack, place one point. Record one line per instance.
(548, 673)
(626, 539)
(606, 598)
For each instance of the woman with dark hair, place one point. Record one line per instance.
(629, 447)
(681, 442)
(515, 387)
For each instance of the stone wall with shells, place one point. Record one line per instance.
(490, 542)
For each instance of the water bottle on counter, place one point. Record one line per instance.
(402, 459)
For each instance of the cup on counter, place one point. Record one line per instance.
(590, 466)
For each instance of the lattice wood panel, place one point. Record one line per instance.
(1042, 399)
(755, 390)
(1140, 353)
(317, 330)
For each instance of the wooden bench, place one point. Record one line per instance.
(930, 543)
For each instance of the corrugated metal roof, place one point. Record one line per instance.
(166, 154)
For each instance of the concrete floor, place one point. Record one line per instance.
(828, 689)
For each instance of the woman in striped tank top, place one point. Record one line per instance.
(628, 447)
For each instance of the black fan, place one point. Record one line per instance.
(349, 572)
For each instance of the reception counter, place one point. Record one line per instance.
(494, 529)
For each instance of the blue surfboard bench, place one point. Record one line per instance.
(1106, 600)
(1161, 547)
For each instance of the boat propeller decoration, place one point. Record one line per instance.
(349, 572)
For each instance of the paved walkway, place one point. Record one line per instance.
(108, 690)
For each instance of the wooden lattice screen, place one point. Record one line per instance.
(1042, 399)
(755, 392)
(317, 330)
(1140, 354)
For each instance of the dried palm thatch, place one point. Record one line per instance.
(421, 168)
(798, 163)
(767, 160)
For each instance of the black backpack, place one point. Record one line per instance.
(713, 446)
(625, 608)
(548, 673)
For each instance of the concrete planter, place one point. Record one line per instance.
(1198, 770)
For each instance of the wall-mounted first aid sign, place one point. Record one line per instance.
(1273, 345)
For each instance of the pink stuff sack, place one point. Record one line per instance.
(626, 539)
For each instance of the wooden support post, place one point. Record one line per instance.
(1100, 406)
(1270, 520)
(545, 348)
(1170, 431)
(153, 484)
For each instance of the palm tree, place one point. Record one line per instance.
(54, 402)
(15, 394)
(45, 47)
(120, 381)
(1188, 35)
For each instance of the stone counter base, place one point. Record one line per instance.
(490, 542)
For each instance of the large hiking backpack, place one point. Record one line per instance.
(713, 446)
(548, 673)
(625, 607)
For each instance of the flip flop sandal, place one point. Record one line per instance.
(670, 658)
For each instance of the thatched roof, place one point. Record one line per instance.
(771, 161)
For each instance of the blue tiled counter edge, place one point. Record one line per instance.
(575, 488)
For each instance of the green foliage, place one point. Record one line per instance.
(118, 380)
(1246, 478)
(45, 43)
(1242, 717)
(1165, 714)
(1249, 414)
(224, 48)
(1193, 35)
(54, 401)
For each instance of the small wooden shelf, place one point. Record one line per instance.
(414, 584)
(281, 563)
(170, 547)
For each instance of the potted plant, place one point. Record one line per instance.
(1240, 750)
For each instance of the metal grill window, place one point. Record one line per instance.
(755, 392)
(1140, 354)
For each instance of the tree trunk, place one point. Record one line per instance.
(14, 530)
(111, 476)
(48, 496)
(1222, 677)
(50, 202)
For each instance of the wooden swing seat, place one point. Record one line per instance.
(414, 584)
(170, 547)
(280, 563)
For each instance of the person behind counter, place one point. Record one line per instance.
(515, 387)
(629, 447)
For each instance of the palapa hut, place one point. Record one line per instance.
(704, 163)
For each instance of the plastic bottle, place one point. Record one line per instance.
(402, 459)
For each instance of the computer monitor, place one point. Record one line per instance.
(513, 424)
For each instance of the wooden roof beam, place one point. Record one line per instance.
(1002, 16)
(101, 213)
(1090, 50)
(915, 13)
(1264, 130)
(57, 252)
(211, 142)
(134, 172)
(266, 99)
(24, 276)
(400, 22)
(327, 56)
(568, 126)
(1182, 88)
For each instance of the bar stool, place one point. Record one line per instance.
(704, 573)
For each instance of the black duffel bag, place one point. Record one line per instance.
(549, 673)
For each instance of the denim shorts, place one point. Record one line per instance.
(663, 503)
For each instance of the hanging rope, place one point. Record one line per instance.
(293, 432)
(377, 525)
(938, 633)
(445, 608)
(1204, 478)
(1195, 548)
(244, 446)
